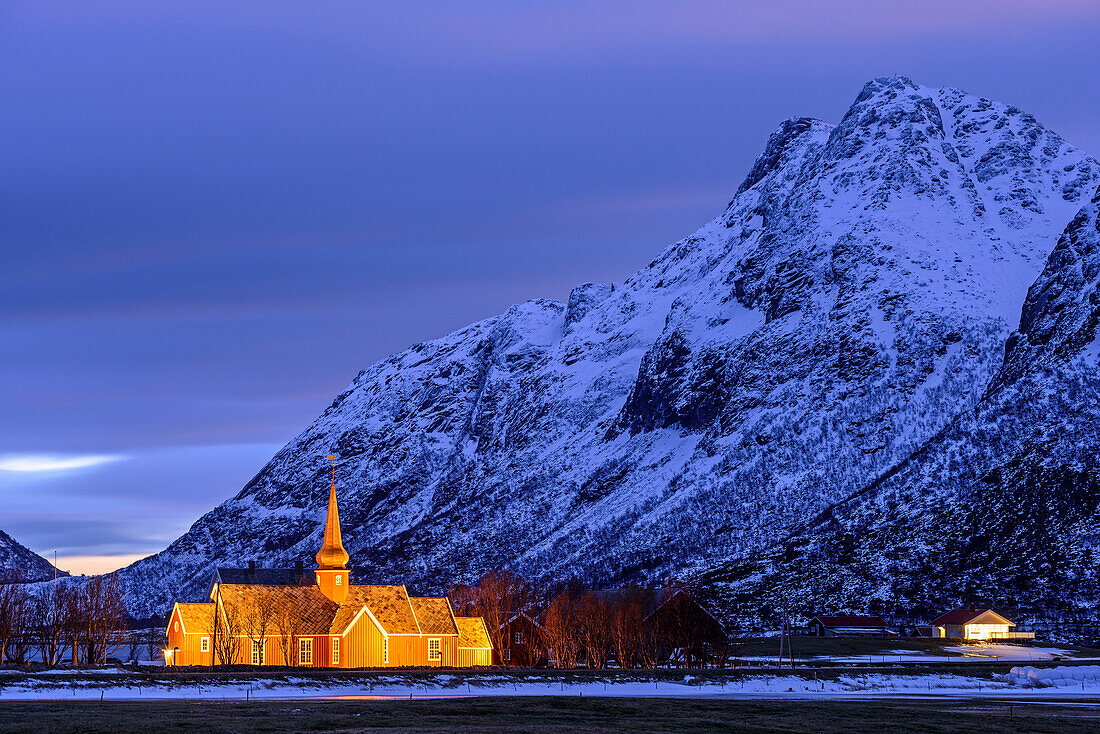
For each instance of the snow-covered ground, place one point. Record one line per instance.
(1026, 683)
(959, 654)
(1062, 677)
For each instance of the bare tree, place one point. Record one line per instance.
(227, 633)
(14, 611)
(257, 622)
(48, 622)
(105, 608)
(560, 628)
(92, 616)
(288, 625)
(135, 642)
(649, 644)
(689, 633)
(498, 596)
(74, 617)
(629, 608)
(593, 622)
(155, 641)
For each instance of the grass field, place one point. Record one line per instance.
(547, 716)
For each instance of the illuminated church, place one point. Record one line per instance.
(284, 617)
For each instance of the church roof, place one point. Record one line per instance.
(266, 576)
(314, 612)
(197, 619)
(388, 604)
(434, 615)
(472, 633)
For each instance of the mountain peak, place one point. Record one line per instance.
(852, 299)
(29, 565)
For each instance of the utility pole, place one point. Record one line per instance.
(785, 639)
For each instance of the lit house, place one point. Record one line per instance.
(976, 624)
(321, 620)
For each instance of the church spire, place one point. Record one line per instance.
(332, 555)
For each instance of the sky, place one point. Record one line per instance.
(214, 214)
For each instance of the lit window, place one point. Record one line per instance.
(204, 644)
(339, 580)
(305, 652)
(177, 625)
(386, 650)
(257, 653)
(336, 649)
(433, 649)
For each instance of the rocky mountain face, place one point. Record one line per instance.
(17, 558)
(847, 313)
(1000, 507)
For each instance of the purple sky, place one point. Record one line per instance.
(213, 215)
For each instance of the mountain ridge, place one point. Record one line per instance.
(855, 295)
(17, 558)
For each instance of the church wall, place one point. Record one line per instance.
(469, 657)
(363, 643)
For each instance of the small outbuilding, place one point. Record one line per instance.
(976, 624)
(849, 626)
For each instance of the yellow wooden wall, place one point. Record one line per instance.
(469, 657)
(190, 645)
(362, 645)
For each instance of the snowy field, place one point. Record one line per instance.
(1021, 683)
(960, 654)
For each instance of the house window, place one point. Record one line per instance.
(386, 650)
(433, 649)
(339, 580)
(257, 653)
(336, 649)
(177, 625)
(506, 654)
(521, 639)
(305, 652)
(204, 644)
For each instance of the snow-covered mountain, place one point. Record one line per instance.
(854, 298)
(1001, 507)
(15, 557)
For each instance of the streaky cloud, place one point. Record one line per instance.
(52, 462)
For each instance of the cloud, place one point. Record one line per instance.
(32, 463)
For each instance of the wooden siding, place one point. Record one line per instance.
(190, 645)
(364, 644)
(469, 657)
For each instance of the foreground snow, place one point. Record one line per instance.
(958, 654)
(1027, 682)
(1063, 676)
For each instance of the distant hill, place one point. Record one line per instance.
(16, 557)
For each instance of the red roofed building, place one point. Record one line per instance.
(849, 626)
(976, 624)
(283, 617)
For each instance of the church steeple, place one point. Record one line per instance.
(332, 558)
